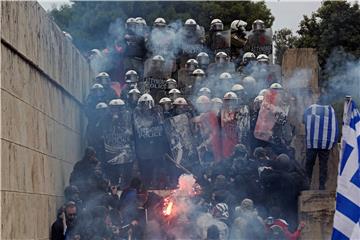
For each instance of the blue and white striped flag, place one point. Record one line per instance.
(347, 213)
(321, 126)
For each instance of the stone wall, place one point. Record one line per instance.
(44, 80)
(300, 72)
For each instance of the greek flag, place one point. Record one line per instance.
(347, 213)
(321, 127)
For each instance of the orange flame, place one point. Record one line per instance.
(168, 209)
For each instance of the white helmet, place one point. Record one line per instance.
(95, 52)
(203, 58)
(259, 99)
(131, 76)
(249, 80)
(97, 86)
(158, 58)
(165, 100)
(190, 22)
(191, 65)
(230, 96)
(198, 72)
(174, 90)
(140, 20)
(116, 102)
(237, 87)
(171, 83)
(262, 58)
(147, 98)
(238, 24)
(101, 105)
(205, 90)
(103, 78)
(171, 80)
(180, 102)
(130, 22)
(225, 76)
(191, 61)
(217, 100)
(258, 25)
(221, 57)
(202, 100)
(276, 86)
(248, 56)
(159, 22)
(103, 74)
(134, 90)
(217, 25)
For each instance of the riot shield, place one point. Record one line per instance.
(273, 111)
(185, 82)
(237, 48)
(180, 138)
(259, 42)
(243, 123)
(221, 41)
(235, 124)
(164, 72)
(206, 128)
(134, 46)
(154, 81)
(151, 147)
(118, 140)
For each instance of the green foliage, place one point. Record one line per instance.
(283, 39)
(88, 22)
(336, 24)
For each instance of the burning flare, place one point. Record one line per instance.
(168, 208)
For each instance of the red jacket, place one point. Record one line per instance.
(285, 227)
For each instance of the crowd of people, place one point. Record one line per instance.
(176, 100)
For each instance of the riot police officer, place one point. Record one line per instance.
(238, 40)
(118, 140)
(104, 79)
(166, 105)
(203, 60)
(150, 141)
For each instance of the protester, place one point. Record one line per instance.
(63, 227)
(319, 142)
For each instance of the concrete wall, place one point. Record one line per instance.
(44, 80)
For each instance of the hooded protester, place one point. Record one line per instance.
(247, 224)
(72, 193)
(83, 170)
(245, 174)
(213, 233)
(205, 220)
(279, 178)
